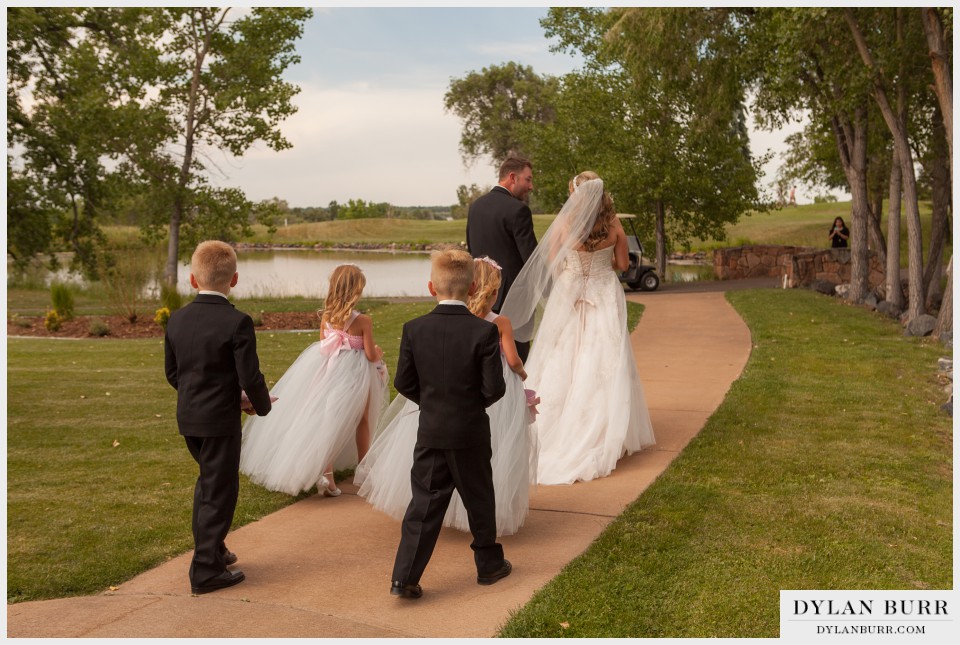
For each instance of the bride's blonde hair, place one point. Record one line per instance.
(487, 278)
(605, 216)
(346, 286)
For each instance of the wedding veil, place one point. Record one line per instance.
(568, 231)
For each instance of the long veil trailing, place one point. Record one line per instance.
(568, 231)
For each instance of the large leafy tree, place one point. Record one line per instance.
(158, 91)
(221, 89)
(639, 116)
(73, 104)
(494, 104)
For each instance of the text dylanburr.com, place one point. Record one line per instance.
(877, 616)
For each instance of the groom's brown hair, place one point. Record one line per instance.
(514, 163)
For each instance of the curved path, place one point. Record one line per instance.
(321, 567)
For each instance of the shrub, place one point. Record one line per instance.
(170, 297)
(52, 321)
(19, 321)
(162, 317)
(62, 300)
(125, 275)
(257, 318)
(98, 328)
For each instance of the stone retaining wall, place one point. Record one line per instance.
(800, 265)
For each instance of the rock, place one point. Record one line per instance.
(948, 407)
(823, 287)
(945, 364)
(888, 309)
(921, 325)
(842, 290)
(870, 302)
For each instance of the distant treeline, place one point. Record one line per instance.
(359, 209)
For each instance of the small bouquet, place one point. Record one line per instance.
(532, 401)
(246, 406)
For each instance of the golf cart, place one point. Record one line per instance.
(638, 275)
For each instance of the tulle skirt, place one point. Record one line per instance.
(384, 474)
(592, 409)
(320, 401)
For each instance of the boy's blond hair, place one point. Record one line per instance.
(213, 265)
(346, 286)
(451, 272)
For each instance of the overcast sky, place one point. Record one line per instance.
(371, 123)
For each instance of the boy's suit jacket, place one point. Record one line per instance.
(211, 353)
(450, 365)
(500, 226)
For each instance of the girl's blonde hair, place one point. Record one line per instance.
(487, 277)
(346, 286)
(605, 217)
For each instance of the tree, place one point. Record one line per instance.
(653, 115)
(466, 196)
(493, 103)
(221, 88)
(898, 128)
(72, 67)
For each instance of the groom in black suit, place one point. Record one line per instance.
(211, 354)
(500, 225)
(450, 366)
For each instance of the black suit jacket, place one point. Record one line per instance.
(501, 226)
(210, 353)
(450, 366)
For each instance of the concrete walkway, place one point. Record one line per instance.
(321, 567)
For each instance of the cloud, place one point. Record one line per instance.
(381, 145)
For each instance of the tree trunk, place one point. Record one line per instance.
(940, 61)
(894, 288)
(939, 171)
(945, 318)
(661, 240)
(905, 157)
(852, 145)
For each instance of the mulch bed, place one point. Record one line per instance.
(144, 327)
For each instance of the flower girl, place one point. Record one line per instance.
(384, 474)
(330, 395)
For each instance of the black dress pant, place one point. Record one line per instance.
(214, 502)
(434, 476)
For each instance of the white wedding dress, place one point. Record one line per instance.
(384, 474)
(592, 409)
(320, 400)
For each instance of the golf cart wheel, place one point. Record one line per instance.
(649, 281)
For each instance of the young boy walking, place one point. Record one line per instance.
(211, 355)
(450, 366)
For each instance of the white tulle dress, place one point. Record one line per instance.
(320, 401)
(592, 410)
(384, 474)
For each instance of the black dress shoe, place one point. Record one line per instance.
(229, 557)
(224, 580)
(407, 591)
(490, 578)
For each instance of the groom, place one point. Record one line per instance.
(500, 226)
(450, 366)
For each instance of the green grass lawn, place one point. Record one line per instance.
(827, 466)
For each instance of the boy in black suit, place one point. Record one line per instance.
(450, 366)
(211, 355)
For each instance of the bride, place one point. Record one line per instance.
(592, 409)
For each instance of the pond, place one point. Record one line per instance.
(304, 272)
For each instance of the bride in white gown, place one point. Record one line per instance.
(592, 409)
